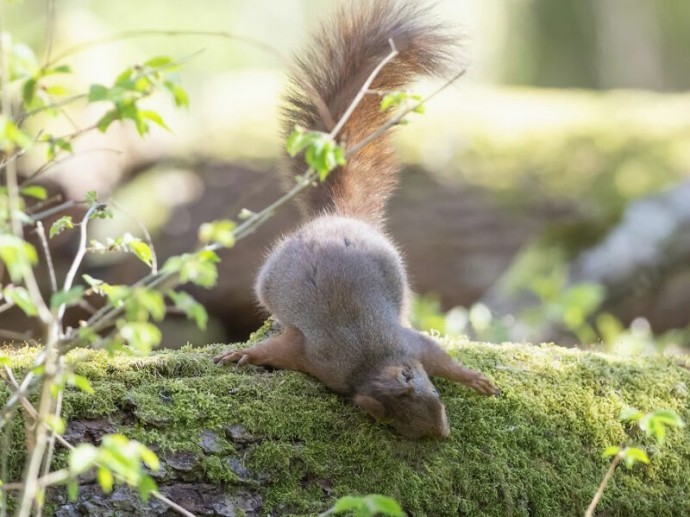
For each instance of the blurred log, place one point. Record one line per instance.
(643, 262)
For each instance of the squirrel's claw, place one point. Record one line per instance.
(484, 386)
(231, 357)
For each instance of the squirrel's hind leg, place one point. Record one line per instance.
(436, 361)
(285, 351)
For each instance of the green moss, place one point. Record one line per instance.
(536, 450)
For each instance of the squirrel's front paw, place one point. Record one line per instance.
(483, 385)
(232, 356)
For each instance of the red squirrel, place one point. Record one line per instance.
(337, 284)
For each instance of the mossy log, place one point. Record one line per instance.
(251, 441)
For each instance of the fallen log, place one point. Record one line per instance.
(249, 441)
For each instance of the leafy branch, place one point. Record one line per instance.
(654, 425)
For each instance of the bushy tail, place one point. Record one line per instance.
(341, 56)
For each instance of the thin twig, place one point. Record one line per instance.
(400, 116)
(81, 251)
(55, 210)
(50, 29)
(18, 394)
(19, 336)
(604, 482)
(46, 251)
(3, 469)
(49, 165)
(113, 38)
(48, 458)
(56, 198)
(363, 90)
(52, 105)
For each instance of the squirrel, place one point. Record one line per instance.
(337, 285)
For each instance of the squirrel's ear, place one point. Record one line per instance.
(395, 381)
(370, 405)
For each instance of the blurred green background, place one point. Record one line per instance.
(544, 197)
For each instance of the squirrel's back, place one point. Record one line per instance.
(330, 73)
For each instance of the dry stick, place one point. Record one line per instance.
(34, 414)
(46, 251)
(604, 482)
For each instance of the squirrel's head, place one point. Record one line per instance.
(404, 395)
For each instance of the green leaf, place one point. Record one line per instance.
(668, 417)
(155, 118)
(149, 458)
(82, 458)
(61, 69)
(67, 298)
(199, 268)
(370, 505)
(63, 144)
(159, 61)
(55, 424)
(4, 360)
(142, 251)
(80, 382)
(629, 414)
(72, 490)
(11, 136)
(141, 336)
(105, 479)
(144, 302)
(633, 455)
(22, 299)
(64, 223)
(384, 505)
(35, 191)
(221, 232)
(146, 486)
(347, 503)
(98, 92)
(611, 450)
(295, 142)
(28, 92)
(193, 309)
(104, 123)
(179, 94)
(91, 197)
(22, 62)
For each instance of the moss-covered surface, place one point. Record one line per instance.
(536, 450)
